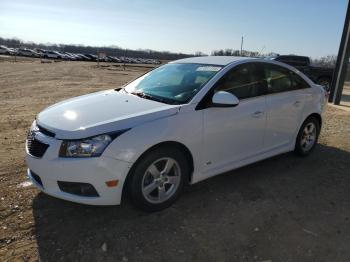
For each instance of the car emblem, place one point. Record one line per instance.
(31, 134)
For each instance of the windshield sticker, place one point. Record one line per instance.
(209, 68)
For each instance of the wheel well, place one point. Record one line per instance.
(172, 144)
(317, 116)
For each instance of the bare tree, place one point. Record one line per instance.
(199, 53)
(325, 61)
(231, 52)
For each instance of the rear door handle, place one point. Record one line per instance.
(257, 114)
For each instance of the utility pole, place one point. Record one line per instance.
(262, 49)
(242, 46)
(124, 59)
(339, 74)
(98, 57)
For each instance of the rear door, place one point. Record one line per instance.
(287, 93)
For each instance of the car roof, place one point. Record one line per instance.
(212, 60)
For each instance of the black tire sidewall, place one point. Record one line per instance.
(298, 150)
(137, 173)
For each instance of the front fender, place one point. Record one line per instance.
(184, 127)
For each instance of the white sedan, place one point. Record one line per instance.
(178, 124)
(5, 50)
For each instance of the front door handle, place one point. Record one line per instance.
(297, 103)
(257, 114)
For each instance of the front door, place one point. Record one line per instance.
(235, 133)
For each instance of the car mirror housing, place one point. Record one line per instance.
(224, 99)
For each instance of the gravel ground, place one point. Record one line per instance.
(282, 209)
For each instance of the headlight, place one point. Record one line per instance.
(89, 147)
(34, 127)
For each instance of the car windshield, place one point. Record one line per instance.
(173, 83)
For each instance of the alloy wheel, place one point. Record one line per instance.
(161, 180)
(308, 138)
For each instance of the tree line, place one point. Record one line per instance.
(82, 49)
(326, 61)
(232, 52)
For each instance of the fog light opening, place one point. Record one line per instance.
(76, 188)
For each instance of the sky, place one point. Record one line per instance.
(311, 27)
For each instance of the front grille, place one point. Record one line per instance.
(35, 147)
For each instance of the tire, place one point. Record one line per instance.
(151, 187)
(306, 140)
(326, 82)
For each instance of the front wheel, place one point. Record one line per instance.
(307, 136)
(158, 179)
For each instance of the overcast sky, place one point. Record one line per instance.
(311, 27)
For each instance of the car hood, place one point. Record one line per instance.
(100, 113)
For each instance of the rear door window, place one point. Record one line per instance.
(280, 79)
(298, 82)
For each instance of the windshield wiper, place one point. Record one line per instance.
(152, 97)
(118, 89)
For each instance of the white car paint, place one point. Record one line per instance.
(219, 139)
(101, 112)
(27, 52)
(5, 50)
(236, 140)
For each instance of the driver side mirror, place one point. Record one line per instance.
(224, 99)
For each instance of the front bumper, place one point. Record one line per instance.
(95, 171)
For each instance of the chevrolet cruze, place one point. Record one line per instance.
(178, 124)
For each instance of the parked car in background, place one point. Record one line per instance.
(27, 52)
(91, 57)
(82, 57)
(69, 56)
(320, 75)
(179, 124)
(40, 51)
(4, 50)
(111, 59)
(13, 51)
(52, 54)
(64, 55)
(116, 59)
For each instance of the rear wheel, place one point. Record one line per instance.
(158, 179)
(307, 136)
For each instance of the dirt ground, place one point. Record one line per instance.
(282, 209)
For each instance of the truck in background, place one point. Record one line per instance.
(320, 75)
